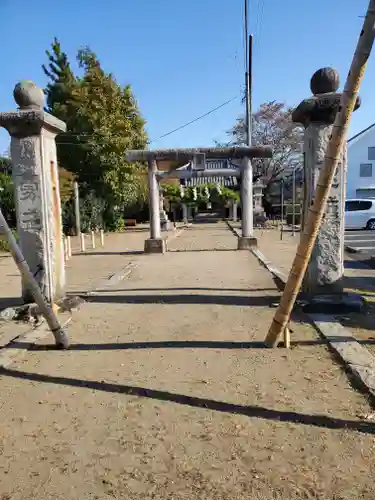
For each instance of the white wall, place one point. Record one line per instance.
(357, 154)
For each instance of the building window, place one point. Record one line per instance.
(357, 205)
(365, 170)
(371, 154)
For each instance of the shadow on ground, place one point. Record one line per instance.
(89, 252)
(198, 250)
(223, 300)
(187, 289)
(324, 421)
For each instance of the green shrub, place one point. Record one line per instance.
(4, 245)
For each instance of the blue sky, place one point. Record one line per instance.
(185, 57)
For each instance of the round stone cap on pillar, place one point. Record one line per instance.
(324, 81)
(324, 104)
(28, 95)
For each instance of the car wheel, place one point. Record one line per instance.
(371, 225)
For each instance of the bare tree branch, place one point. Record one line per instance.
(272, 125)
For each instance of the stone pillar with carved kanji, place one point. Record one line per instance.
(317, 114)
(36, 182)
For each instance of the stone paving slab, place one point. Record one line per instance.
(168, 393)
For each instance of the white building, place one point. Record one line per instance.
(361, 164)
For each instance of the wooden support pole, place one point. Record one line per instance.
(47, 309)
(286, 338)
(327, 173)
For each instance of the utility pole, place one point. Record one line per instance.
(250, 92)
(248, 64)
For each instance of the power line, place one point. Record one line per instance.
(195, 119)
(62, 143)
(160, 137)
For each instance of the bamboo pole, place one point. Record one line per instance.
(334, 148)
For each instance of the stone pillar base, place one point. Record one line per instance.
(246, 242)
(165, 225)
(333, 303)
(155, 245)
(311, 288)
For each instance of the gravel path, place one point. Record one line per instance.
(167, 394)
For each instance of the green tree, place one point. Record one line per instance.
(7, 202)
(5, 165)
(59, 90)
(103, 121)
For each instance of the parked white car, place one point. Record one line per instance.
(360, 213)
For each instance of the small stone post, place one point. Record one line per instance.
(247, 240)
(317, 114)
(36, 180)
(234, 211)
(155, 244)
(185, 213)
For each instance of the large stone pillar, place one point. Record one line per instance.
(36, 181)
(154, 244)
(247, 240)
(326, 267)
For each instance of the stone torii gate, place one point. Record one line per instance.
(242, 168)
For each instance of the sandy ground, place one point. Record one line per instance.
(167, 393)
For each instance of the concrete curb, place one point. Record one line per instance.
(358, 359)
(235, 231)
(360, 362)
